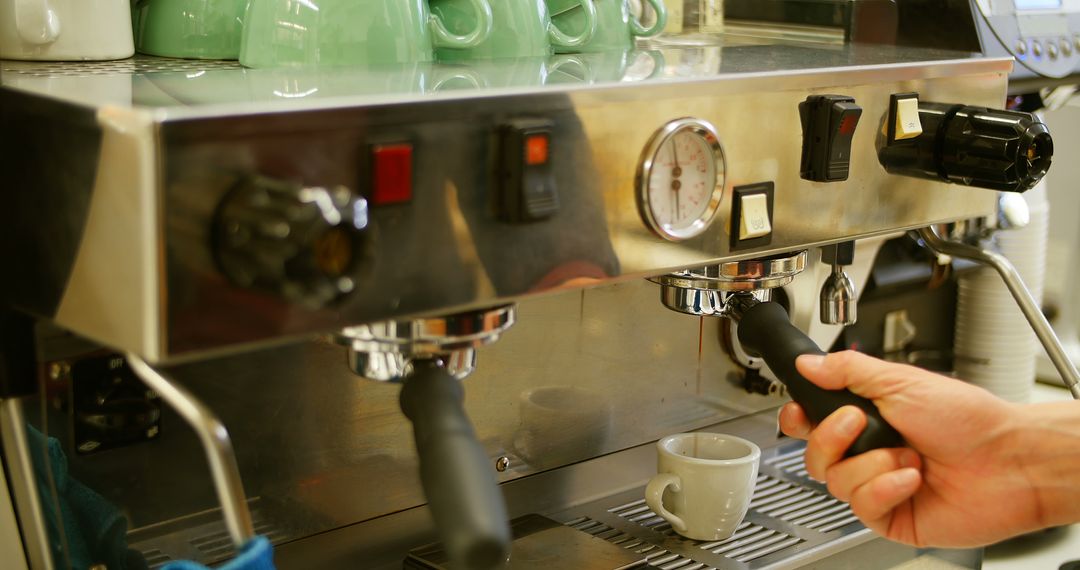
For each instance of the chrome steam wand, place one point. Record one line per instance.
(1020, 293)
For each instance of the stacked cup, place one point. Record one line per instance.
(65, 30)
(274, 33)
(995, 346)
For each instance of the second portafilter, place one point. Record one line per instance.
(430, 357)
(742, 290)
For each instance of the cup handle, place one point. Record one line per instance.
(661, 20)
(37, 21)
(654, 497)
(562, 39)
(484, 22)
(469, 75)
(566, 64)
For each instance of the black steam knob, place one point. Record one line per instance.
(973, 146)
(303, 243)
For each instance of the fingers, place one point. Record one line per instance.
(831, 438)
(793, 421)
(864, 375)
(845, 477)
(874, 501)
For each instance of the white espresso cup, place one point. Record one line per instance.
(703, 484)
(65, 30)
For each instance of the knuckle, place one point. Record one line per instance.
(843, 359)
(883, 460)
(836, 484)
(817, 443)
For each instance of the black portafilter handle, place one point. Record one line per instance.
(461, 489)
(766, 331)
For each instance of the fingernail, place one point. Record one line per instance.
(848, 422)
(810, 362)
(909, 459)
(905, 478)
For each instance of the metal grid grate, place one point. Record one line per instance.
(789, 514)
(750, 541)
(791, 463)
(793, 503)
(205, 542)
(656, 556)
(218, 545)
(137, 64)
(156, 558)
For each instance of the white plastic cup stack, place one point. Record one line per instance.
(995, 346)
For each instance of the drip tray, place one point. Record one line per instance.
(543, 544)
(792, 520)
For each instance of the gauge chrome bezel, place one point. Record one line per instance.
(705, 131)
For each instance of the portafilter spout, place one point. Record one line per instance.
(1020, 293)
(430, 357)
(741, 290)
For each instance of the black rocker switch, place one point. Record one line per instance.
(526, 181)
(828, 123)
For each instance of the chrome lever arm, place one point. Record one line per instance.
(1020, 293)
(216, 444)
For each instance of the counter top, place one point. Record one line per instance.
(181, 88)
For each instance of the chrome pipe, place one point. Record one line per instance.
(215, 442)
(1020, 293)
(23, 485)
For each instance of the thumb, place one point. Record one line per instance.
(864, 375)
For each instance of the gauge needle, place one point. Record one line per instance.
(676, 171)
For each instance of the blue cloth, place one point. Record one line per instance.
(257, 554)
(94, 529)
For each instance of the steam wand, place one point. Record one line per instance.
(1020, 293)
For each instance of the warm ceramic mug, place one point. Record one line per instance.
(352, 32)
(194, 29)
(522, 28)
(709, 479)
(616, 27)
(65, 30)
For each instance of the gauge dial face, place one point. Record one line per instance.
(681, 179)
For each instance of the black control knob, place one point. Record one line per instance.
(303, 243)
(973, 146)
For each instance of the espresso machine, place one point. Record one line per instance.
(441, 324)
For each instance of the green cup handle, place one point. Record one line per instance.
(484, 21)
(562, 39)
(661, 20)
(567, 65)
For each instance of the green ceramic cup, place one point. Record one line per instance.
(616, 28)
(352, 32)
(522, 28)
(193, 29)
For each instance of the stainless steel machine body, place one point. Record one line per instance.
(123, 171)
(130, 259)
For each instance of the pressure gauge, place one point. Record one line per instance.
(680, 179)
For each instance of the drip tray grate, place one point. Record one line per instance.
(201, 537)
(790, 515)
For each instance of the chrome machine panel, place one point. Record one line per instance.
(130, 261)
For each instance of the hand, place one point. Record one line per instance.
(959, 484)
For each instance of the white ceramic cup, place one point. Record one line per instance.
(65, 30)
(711, 479)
